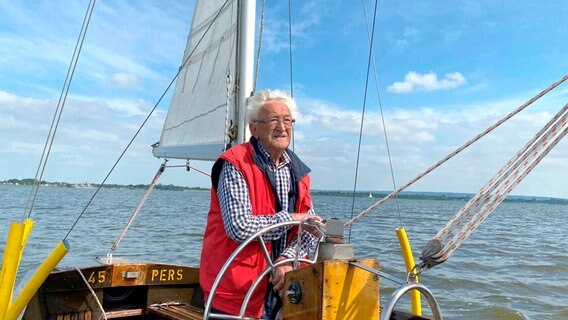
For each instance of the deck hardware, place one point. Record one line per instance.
(294, 293)
(130, 274)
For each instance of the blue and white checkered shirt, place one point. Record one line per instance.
(236, 208)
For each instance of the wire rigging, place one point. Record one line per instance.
(458, 150)
(258, 52)
(290, 47)
(291, 60)
(138, 208)
(363, 113)
(387, 146)
(146, 119)
(59, 110)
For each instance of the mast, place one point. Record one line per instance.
(246, 62)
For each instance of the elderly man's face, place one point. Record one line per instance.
(273, 128)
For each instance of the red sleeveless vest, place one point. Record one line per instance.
(217, 246)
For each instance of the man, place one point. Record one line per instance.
(255, 185)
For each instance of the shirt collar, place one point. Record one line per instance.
(284, 161)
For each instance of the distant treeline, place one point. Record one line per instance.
(434, 196)
(336, 193)
(96, 185)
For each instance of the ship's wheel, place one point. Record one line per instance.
(271, 266)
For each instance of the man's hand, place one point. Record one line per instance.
(311, 222)
(277, 277)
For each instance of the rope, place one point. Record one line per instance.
(230, 134)
(479, 207)
(93, 293)
(455, 152)
(258, 52)
(138, 208)
(59, 110)
(145, 120)
(369, 59)
(290, 47)
(230, 127)
(387, 145)
(291, 64)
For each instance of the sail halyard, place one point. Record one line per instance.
(214, 81)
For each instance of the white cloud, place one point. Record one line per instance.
(7, 98)
(414, 81)
(418, 138)
(403, 126)
(125, 80)
(140, 46)
(92, 135)
(275, 33)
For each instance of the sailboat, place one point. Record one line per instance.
(206, 117)
(215, 79)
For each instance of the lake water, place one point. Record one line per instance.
(515, 266)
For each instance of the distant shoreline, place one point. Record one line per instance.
(415, 195)
(86, 185)
(425, 195)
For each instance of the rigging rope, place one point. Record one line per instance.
(146, 119)
(363, 114)
(258, 52)
(455, 152)
(59, 110)
(387, 145)
(479, 207)
(290, 63)
(230, 127)
(290, 47)
(95, 297)
(138, 208)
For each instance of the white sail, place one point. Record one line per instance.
(205, 101)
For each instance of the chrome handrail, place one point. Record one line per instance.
(398, 293)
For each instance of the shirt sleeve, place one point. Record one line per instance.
(236, 208)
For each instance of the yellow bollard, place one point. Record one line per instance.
(11, 261)
(37, 279)
(409, 263)
(28, 226)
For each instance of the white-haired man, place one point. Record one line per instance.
(254, 185)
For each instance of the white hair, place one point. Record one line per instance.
(256, 102)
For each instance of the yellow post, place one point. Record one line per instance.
(37, 279)
(409, 263)
(28, 226)
(11, 261)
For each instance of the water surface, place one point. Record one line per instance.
(514, 266)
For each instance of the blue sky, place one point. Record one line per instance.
(446, 71)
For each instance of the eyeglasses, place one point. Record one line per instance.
(274, 122)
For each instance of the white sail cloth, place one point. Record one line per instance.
(203, 104)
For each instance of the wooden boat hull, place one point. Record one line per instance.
(331, 289)
(123, 290)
